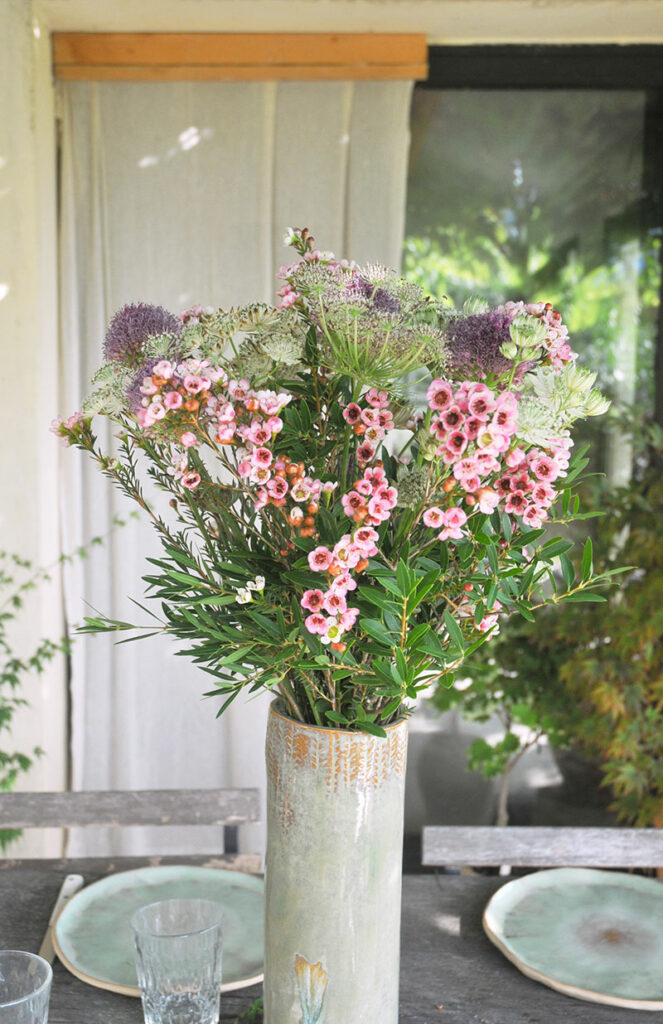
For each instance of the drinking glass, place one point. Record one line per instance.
(178, 959)
(25, 987)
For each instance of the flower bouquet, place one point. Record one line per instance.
(357, 485)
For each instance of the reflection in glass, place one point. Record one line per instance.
(538, 195)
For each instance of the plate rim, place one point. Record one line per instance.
(130, 990)
(566, 988)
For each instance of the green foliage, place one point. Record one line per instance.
(253, 1015)
(19, 578)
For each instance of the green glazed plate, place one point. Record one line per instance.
(93, 938)
(595, 935)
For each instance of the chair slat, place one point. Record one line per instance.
(542, 847)
(133, 807)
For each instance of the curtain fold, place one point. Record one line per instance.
(178, 194)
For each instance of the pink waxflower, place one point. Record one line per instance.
(457, 442)
(225, 434)
(163, 368)
(365, 537)
(344, 582)
(172, 400)
(454, 517)
(320, 559)
(514, 458)
(191, 481)
(544, 468)
(195, 384)
(261, 457)
(439, 395)
(334, 602)
(351, 502)
(348, 618)
(352, 413)
(516, 503)
(452, 418)
(378, 399)
(188, 439)
(433, 517)
(365, 452)
(316, 623)
(346, 552)
(481, 402)
(488, 500)
(277, 487)
(312, 599)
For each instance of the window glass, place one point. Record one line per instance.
(538, 195)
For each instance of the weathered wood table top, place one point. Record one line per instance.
(450, 972)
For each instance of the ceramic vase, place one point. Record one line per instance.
(333, 873)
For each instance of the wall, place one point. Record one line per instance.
(28, 343)
(444, 21)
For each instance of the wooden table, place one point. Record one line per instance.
(450, 972)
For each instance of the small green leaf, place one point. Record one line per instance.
(454, 631)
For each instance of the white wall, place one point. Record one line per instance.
(28, 344)
(443, 21)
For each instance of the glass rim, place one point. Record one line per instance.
(37, 991)
(143, 930)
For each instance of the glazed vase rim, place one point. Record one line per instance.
(277, 704)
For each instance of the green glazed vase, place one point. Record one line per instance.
(333, 873)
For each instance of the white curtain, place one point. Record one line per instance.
(176, 194)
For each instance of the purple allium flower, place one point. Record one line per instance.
(475, 342)
(133, 325)
(382, 299)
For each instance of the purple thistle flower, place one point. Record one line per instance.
(381, 299)
(475, 342)
(133, 325)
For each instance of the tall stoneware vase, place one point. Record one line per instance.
(333, 873)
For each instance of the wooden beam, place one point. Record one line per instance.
(168, 57)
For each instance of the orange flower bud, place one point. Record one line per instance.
(448, 485)
(191, 404)
(361, 565)
(339, 646)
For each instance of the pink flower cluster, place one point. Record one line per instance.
(350, 553)
(526, 487)
(370, 422)
(199, 397)
(372, 498)
(475, 429)
(556, 341)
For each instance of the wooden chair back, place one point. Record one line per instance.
(478, 846)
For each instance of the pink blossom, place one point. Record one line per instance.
(274, 424)
(334, 603)
(364, 487)
(344, 582)
(262, 498)
(225, 433)
(316, 623)
(348, 618)
(259, 434)
(454, 517)
(195, 384)
(352, 413)
(452, 417)
(261, 457)
(226, 413)
(277, 487)
(487, 624)
(369, 417)
(375, 475)
(244, 467)
(164, 369)
(378, 399)
(457, 442)
(543, 468)
(481, 402)
(514, 457)
(516, 503)
(351, 502)
(365, 537)
(320, 559)
(365, 452)
(433, 517)
(148, 387)
(271, 403)
(188, 439)
(312, 599)
(301, 491)
(191, 481)
(172, 400)
(347, 553)
(439, 395)
(450, 533)
(488, 500)
(373, 435)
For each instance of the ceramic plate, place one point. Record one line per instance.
(595, 935)
(93, 938)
